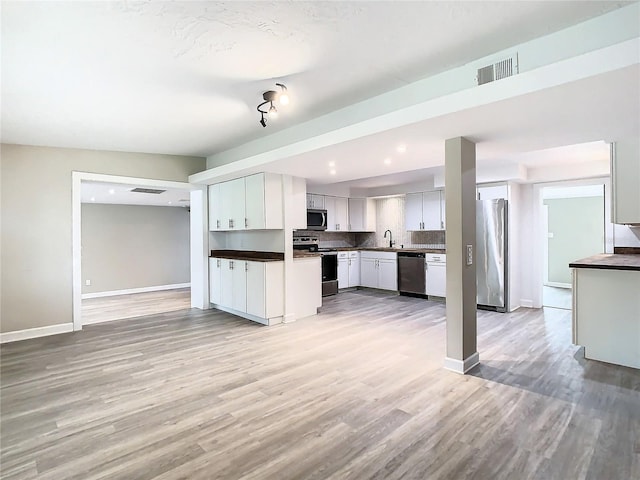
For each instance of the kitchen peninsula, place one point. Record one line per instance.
(606, 308)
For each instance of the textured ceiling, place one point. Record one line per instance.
(185, 77)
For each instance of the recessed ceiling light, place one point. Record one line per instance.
(111, 191)
(93, 199)
(332, 163)
(332, 172)
(401, 148)
(387, 161)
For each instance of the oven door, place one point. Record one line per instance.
(316, 219)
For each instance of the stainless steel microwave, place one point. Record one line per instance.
(316, 219)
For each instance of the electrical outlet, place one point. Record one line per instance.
(87, 283)
(469, 254)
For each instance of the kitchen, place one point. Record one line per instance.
(341, 239)
(353, 248)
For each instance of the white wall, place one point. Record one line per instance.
(625, 236)
(134, 246)
(259, 241)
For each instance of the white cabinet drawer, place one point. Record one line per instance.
(435, 257)
(354, 254)
(342, 255)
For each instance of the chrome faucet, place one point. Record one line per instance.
(390, 238)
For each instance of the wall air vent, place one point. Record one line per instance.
(148, 190)
(496, 71)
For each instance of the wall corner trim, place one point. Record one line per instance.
(526, 303)
(462, 366)
(36, 332)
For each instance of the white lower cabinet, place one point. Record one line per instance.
(348, 269)
(343, 271)
(215, 280)
(388, 274)
(436, 281)
(369, 272)
(354, 269)
(379, 270)
(255, 289)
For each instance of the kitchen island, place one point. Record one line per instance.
(606, 308)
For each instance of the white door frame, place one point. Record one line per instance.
(198, 244)
(540, 231)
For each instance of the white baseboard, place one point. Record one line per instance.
(128, 291)
(526, 303)
(35, 332)
(462, 366)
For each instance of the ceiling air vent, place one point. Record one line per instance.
(496, 71)
(148, 190)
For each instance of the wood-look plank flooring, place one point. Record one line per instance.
(105, 309)
(357, 392)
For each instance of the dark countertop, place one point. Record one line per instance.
(304, 254)
(254, 256)
(387, 249)
(248, 255)
(609, 261)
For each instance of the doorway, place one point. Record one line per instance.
(574, 228)
(138, 247)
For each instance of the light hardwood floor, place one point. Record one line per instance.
(104, 309)
(357, 392)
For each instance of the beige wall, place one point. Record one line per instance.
(116, 237)
(36, 244)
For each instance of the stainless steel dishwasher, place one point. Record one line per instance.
(411, 274)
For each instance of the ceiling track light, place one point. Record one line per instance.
(269, 97)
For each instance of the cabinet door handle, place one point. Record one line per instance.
(442, 225)
(217, 223)
(218, 263)
(246, 223)
(246, 266)
(231, 265)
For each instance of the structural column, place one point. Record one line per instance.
(460, 196)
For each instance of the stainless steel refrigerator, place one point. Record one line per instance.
(492, 254)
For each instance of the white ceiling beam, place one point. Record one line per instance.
(545, 62)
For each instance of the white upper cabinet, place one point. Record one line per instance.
(249, 203)
(315, 201)
(215, 207)
(337, 213)
(413, 211)
(362, 215)
(342, 214)
(625, 181)
(232, 194)
(424, 211)
(431, 211)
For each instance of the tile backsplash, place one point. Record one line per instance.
(389, 216)
(340, 239)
